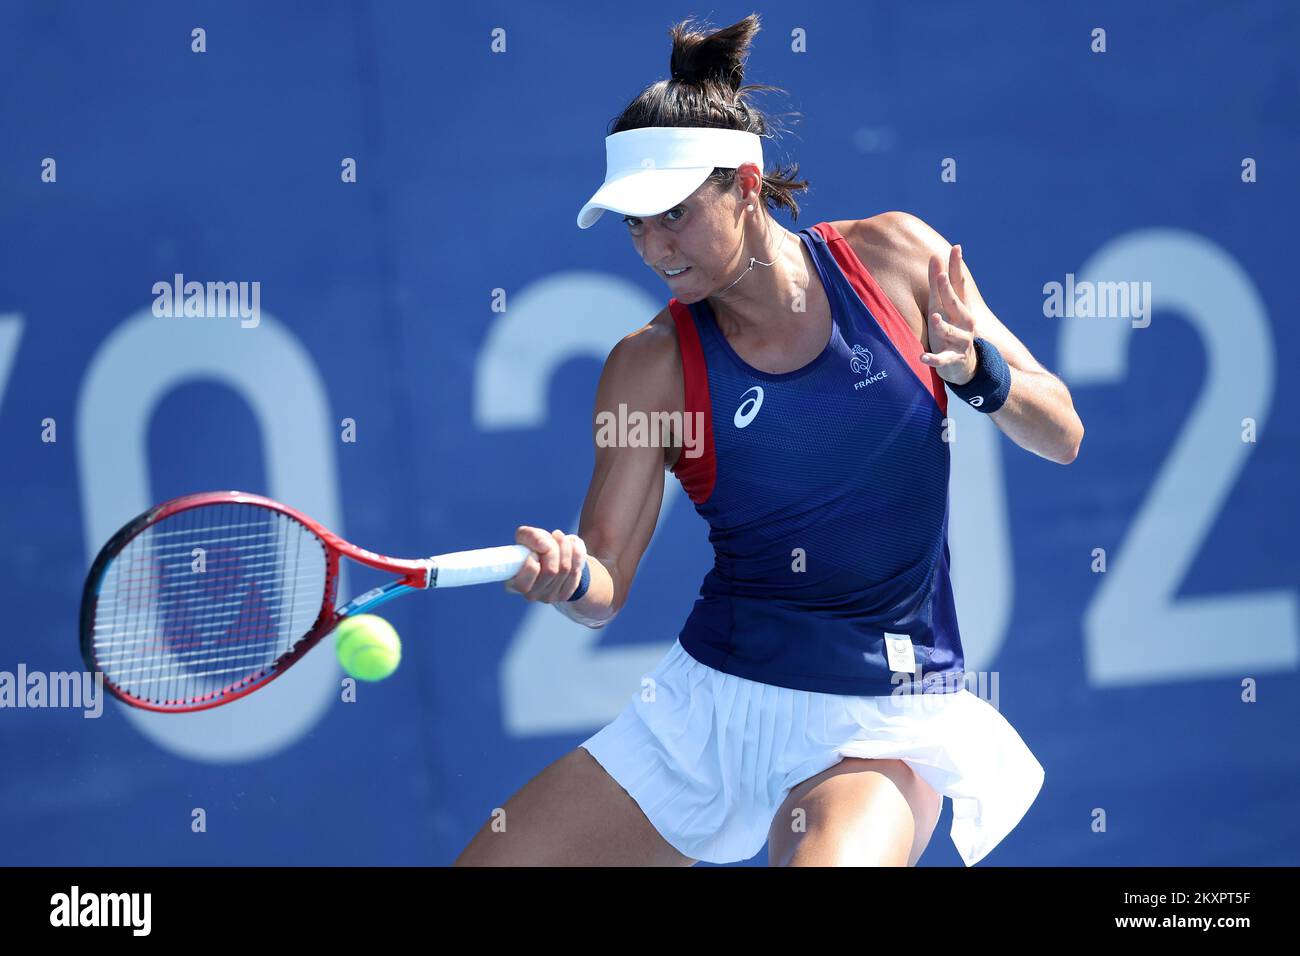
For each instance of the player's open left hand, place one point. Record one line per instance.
(951, 322)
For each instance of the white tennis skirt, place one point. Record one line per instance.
(710, 757)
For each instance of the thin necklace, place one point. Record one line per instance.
(753, 260)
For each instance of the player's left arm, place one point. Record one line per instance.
(1039, 413)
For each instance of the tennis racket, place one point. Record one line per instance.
(211, 596)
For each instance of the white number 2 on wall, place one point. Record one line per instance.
(1136, 631)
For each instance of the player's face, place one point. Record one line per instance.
(702, 234)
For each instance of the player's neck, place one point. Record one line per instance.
(766, 296)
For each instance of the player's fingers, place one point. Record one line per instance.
(941, 330)
(955, 311)
(535, 539)
(552, 572)
(948, 300)
(578, 560)
(525, 577)
(539, 542)
(942, 359)
(549, 588)
(956, 273)
(957, 330)
(936, 267)
(550, 559)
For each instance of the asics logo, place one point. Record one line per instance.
(750, 403)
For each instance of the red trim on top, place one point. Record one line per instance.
(886, 313)
(698, 474)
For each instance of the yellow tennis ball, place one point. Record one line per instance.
(367, 647)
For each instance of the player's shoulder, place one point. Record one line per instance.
(892, 234)
(896, 246)
(647, 361)
(653, 344)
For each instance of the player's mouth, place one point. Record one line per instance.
(675, 273)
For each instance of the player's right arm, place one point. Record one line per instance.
(643, 374)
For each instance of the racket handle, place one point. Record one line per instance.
(483, 565)
(459, 568)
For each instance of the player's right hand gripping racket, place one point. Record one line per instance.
(175, 628)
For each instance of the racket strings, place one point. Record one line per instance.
(173, 625)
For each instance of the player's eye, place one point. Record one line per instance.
(634, 223)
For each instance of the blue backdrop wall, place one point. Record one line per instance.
(1159, 694)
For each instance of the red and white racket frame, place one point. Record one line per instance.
(456, 569)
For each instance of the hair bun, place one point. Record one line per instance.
(700, 57)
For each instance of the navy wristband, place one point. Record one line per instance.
(988, 390)
(582, 584)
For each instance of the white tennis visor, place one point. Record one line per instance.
(651, 170)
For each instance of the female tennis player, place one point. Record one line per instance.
(814, 698)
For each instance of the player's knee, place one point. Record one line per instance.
(865, 812)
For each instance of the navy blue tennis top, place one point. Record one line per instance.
(826, 494)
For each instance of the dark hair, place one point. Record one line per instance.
(705, 90)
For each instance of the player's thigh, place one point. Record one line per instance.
(573, 813)
(857, 813)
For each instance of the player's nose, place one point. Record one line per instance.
(656, 249)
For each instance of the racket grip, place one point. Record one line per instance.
(459, 568)
(483, 565)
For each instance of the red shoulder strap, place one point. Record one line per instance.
(886, 313)
(697, 474)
